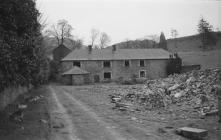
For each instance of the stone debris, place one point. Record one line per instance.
(22, 106)
(59, 126)
(43, 121)
(192, 133)
(192, 90)
(36, 98)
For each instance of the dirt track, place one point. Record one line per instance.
(86, 124)
(85, 113)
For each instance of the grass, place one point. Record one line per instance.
(207, 59)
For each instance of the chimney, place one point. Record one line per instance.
(89, 49)
(114, 48)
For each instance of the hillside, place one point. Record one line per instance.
(135, 44)
(188, 49)
(190, 43)
(184, 44)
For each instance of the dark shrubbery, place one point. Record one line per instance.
(174, 64)
(22, 60)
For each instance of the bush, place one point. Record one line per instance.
(174, 65)
(22, 61)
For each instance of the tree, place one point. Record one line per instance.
(20, 42)
(205, 30)
(94, 35)
(174, 34)
(61, 31)
(77, 43)
(155, 38)
(163, 42)
(104, 40)
(174, 65)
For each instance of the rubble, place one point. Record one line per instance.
(194, 89)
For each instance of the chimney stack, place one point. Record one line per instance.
(89, 49)
(114, 48)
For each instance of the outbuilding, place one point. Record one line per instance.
(76, 76)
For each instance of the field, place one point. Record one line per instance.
(188, 48)
(207, 59)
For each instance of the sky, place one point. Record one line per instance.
(131, 19)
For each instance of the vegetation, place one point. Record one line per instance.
(22, 59)
(61, 31)
(206, 34)
(174, 65)
(104, 40)
(163, 41)
(94, 35)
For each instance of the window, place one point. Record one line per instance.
(107, 75)
(77, 63)
(142, 63)
(142, 74)
(106, 64)
(126, 63)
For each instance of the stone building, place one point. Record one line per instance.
(75, 76)
(114, 64)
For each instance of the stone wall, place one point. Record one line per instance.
(10, 94)
(154, 68)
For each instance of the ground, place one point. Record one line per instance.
(86, 113)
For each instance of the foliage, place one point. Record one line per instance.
(206, 34)
(174, 64)
(20, 43)
(155, 38)
(163, 41)
(54, 70)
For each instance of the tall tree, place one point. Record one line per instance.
(104, 40)
(205, 30)
(20, 62)
(163, 41)
(174, 34)
(61, 31)
(94, 35)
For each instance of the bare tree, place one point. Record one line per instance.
(61, 31)
(174, 34)
(77, 43)
(94, 35)
(104, 40)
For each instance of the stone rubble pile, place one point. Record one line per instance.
(195, 89)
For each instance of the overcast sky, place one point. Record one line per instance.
(131, 19)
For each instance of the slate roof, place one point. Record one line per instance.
(75, 71)
(119, 54)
